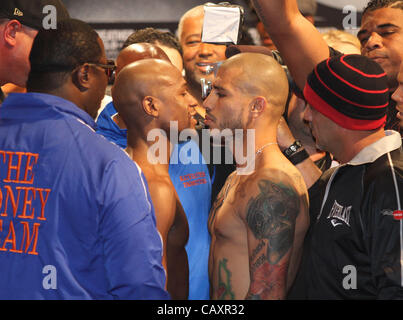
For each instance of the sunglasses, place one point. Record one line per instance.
(109, 68)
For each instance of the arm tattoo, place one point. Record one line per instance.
(271, 218)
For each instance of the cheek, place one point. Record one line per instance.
(189, 53)
(220, 52)
(395, 48)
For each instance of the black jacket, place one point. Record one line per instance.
(354, 247)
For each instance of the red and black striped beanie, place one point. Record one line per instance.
(351, 90)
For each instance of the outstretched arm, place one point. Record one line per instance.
(299, 42)
(270, 218)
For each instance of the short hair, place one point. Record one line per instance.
(379, 4)
(153, 36)
(56, 52)
(194, 12)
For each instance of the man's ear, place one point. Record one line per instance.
(81, 77)
(10, 32)
(151, 106)
(257, 106)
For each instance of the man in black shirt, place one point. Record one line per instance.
(353, 249)
(381, 37)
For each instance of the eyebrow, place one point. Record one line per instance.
(217, 87)
(192, 35)
(381, 26)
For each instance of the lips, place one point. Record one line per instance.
(208, 119)
(205, 67)
(379, 58)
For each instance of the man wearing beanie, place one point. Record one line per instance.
(20, 21)
(381, 37)
(354, 248)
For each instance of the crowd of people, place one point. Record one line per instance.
(106, 191)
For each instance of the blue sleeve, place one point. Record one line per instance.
(132, 244)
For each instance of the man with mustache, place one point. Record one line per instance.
(259, 219)
(354, 247)
(197, 59)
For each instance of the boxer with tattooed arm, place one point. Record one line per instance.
(259, 219)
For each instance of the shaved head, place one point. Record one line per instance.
(139, 51)
(257, 74)
(145, 90)
(250, 91)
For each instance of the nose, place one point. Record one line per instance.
(205, 50)
(308, 113)
(192, 104)
(374, 42)
(208, 103)
(398, 95)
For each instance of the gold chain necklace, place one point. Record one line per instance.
(258, 151)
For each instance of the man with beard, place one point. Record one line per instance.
(259, 219)
(198, 58)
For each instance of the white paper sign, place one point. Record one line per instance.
(221, 24)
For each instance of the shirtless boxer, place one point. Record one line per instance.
(148, 94)
(258, 221)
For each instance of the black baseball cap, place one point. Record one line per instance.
(30, 12)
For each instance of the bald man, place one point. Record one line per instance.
(109, 123)
(148, 94)
(259, 219)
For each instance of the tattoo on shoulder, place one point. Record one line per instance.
(271, 216)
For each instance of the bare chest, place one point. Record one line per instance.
(225, 219)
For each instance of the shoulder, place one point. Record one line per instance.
(277, 178)
(385, 171)
(274, 191)
(162, 191)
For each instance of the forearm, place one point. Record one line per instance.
(309, 171)
(178, 271)
(292, 33)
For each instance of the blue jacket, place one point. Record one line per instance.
(76, 220)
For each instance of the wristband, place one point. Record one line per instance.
(292, 149)
(298, 157)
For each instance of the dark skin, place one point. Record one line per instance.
(133, 53)
(148, 95)
(85, 85)
(173, 227)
